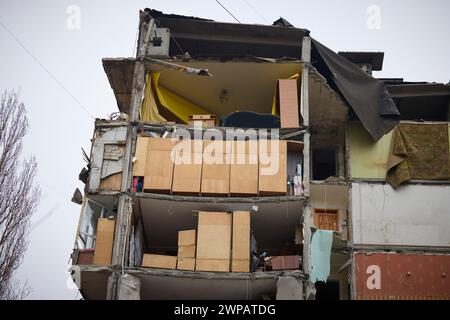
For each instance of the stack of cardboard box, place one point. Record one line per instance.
(186, 250)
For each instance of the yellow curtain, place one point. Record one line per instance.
(149, 109)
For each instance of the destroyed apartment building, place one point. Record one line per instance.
(343, 192)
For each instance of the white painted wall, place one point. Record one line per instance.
(415, 215)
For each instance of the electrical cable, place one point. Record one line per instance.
(227, 11)
(46, 70)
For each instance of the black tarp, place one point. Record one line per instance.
(367, 96)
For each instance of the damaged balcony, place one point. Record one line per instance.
(239, 93)
(159, 284)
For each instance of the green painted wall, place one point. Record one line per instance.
(368, 160)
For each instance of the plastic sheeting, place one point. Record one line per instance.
(367, 96)
(321, 243)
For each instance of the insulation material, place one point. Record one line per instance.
(420, 152)
(177, 105)
(321, 243)
(149, 109)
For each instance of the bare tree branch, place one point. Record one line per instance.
(19, 195)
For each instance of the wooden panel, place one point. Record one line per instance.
(241, 242)
(187, 176)
(187, 237)
(141, 156)
(187, 264)
(217, 265)
(186, 251)
(276, 183)
(241, 235)
(240, 265)
(112, 182)
(244, 168)
(158, 171)
(288, 97)
(159, 261)
(104, 241)
(216, 177)
(326, 219)
(214, 235)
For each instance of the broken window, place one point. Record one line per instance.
(324, 163)
(86, 237)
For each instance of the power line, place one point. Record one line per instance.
(46, 70)
(256, 11)
(227, 11)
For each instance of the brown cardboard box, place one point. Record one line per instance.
(159, 166)
(288, 103)
(187, 264)
(187, 176)
(141, 156)
(244, 168)
(240, 253)
(216, 167)
(159, 261)
(104, 241)
(205, 120)
(187, 237)
(186, 251)
(272, 183)
(214, 241)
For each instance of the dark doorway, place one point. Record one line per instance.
(327, 291)
(324, 163)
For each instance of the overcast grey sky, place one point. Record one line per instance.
(413, 35)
